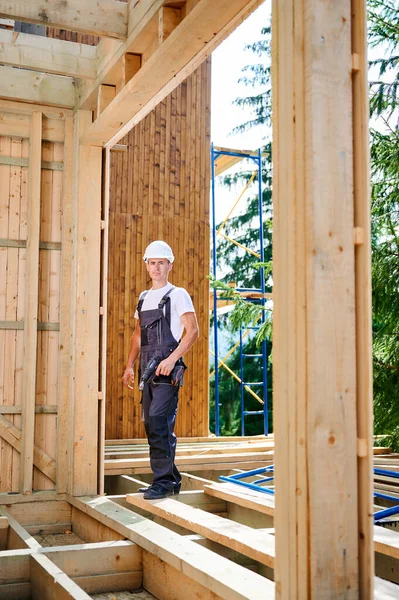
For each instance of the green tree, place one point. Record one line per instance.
(384, 114)
(240, 267)
(384, 80)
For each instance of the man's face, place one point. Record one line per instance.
(158, 268)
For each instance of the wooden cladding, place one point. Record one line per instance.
(159, 189)
(30, 213)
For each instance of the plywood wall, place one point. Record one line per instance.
(160, 190)
(15, 129)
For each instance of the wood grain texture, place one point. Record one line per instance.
(315, 324)
(160, 190)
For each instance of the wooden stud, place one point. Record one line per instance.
(84, 302)
(364, 382)
(315, 366)
(31, 304)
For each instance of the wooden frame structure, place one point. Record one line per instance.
(86, 98)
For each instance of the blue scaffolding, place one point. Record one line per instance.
(256, 157)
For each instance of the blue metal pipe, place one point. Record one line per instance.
(385, 497)
(259, 471)
(386, 472)
(215, 305)
(251, 486)
(388, 512)
(242, 387)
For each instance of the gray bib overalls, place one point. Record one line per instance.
(160, 397)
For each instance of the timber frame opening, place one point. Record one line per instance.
(64, 102)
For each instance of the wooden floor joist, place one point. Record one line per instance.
(248, 541)
(226, 579)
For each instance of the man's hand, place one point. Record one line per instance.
(166, 366)
(128, 378)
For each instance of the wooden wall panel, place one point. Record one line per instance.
(13, 236)
(159, 189)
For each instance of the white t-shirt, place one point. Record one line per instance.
(180, 303)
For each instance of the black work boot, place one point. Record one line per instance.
(156, 492)
(176, 489)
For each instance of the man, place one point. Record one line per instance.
(163, 313)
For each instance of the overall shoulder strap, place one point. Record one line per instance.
(166, 300)
(141, 300)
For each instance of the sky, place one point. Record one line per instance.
(227, 63)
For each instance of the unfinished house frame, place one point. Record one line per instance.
(104, 145)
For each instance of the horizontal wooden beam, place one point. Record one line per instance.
(7, 243)
(224, 578)
(197, 35)
(47, 55)
(39, 410)
(248, 541)
(96, 17)
(18, 325)
(37, 88)
(24, 162)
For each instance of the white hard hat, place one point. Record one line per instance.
(158, 249)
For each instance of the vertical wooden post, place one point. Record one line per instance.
(63, 429)
(363, 298)
(85, 294)
(31, 303)
(104, 294)
(316, 325)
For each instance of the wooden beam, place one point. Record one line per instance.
(246, 540)
(364, 378)
(186, 47)
(35, 87)
(42, 461)
(314, 336)
(214, 572)
(63, 458)
(48, 55)
(49, 582)
(95, 17)
(31, 304)
(104, 304)
(84, 304)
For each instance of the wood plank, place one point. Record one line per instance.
(97, 558)
(22, 538)
(364, 378)
(48, 55)
(104, 304)
(66, 292)
(36, 87)
(49, 582)
(313, 267)
(241, 538)
(168, 583)
(179, 55)
(97, 17)
(41, 460)
(210, 570)
(31, 304)
(85, 310)
(248, 498)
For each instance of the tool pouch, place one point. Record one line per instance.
(177, 375)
